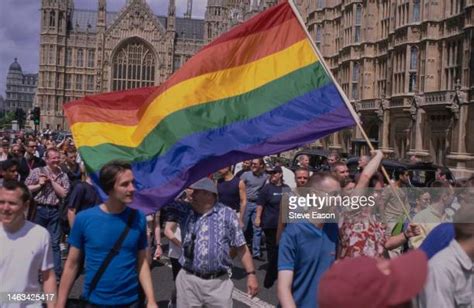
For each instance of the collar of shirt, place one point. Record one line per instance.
(313, 228)
(56, 175)
(208, 213)
(196, 218)
(461, 255)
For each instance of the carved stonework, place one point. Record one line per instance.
(137, 20)
(415, 106)
(236, 16)
(460, 94)
(357, 109)
(379, 112)
(454, 108)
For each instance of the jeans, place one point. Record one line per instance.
(249, 218)
(48, 217)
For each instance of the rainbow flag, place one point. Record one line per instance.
(259, 89)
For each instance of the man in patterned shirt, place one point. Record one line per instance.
(50, 185)
(209, 230)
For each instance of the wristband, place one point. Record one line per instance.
(251, 273)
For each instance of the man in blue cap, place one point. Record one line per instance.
(209, 230)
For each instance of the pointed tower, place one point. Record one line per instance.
(170, 37)
(215, 19)
(171, 24)
(101, 15)
(55, 21)
(189, 9)
(100, 41)
(53, 16)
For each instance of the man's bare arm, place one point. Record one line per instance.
(69, 275)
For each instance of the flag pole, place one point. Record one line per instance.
(346, 101)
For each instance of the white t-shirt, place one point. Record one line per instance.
(175, 251)
(23, 255)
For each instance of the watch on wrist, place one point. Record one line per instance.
(252, 273)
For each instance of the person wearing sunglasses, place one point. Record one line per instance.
(30, 161)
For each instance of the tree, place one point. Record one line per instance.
(7, 119)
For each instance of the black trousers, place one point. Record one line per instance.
(175, 267)
(272, 251)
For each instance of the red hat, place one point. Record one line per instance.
(358, 282)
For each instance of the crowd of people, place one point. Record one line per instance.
(414, 249)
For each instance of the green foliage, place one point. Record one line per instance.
(6, 119)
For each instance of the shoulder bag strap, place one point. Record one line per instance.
(112, 253)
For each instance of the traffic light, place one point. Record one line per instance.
(20, 116)
(36, 115)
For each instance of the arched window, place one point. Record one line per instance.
(45, 19)
(356, 72)
(355, 81)
(358, 23)
(416, 10)
(320, 4)
(413, 67)
(413, 58)
(318, 34)
(52, 19)
(80, 57)
(358, 15)
(133, 66)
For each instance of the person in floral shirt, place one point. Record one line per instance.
(362, 236)
(362, 232)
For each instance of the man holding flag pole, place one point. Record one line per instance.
(261, 88)
(211, 113)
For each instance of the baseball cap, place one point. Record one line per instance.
(275, 169)
(358, 283)
(205, 184)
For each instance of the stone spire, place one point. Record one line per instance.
(189, 9)
(171, 16)
(101, 14)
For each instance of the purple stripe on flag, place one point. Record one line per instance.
(150, 200)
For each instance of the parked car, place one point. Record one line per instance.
(317, 158)
(422, 173)
(60, 135)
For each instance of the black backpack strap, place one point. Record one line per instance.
(112, 253)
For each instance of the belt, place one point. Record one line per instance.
(48, 206)
(206, 276)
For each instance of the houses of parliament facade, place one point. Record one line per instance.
(407, 66)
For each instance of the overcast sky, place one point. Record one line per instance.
(20, 28)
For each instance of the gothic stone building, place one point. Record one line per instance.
(405, 65)
(85, 52)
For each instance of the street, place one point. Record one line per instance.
(163, 285)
